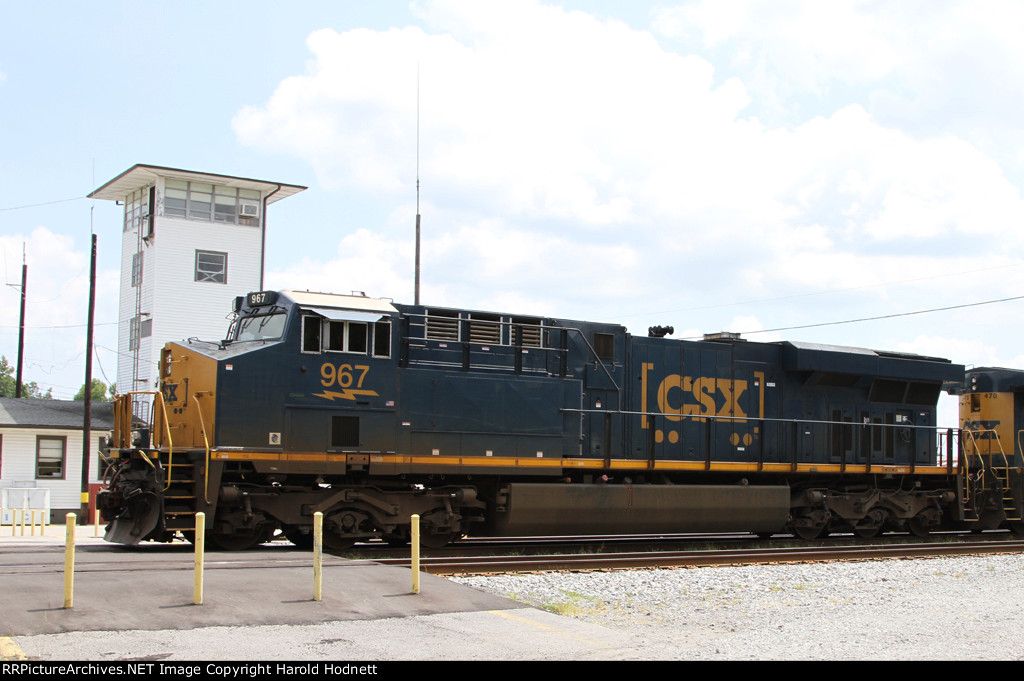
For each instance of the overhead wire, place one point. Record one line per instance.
(46, 203)
(825, 292)
(870, 319)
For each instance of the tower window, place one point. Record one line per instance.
(136, 208)
(137, 269)
(212, 267)
(211, 202)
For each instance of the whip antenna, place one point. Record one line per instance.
(416, 293)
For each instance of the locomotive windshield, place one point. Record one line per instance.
(261, 327)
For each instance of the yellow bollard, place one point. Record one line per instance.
(318, 555)
(415, 554)
(197, 590)
(32, 524)
(24, 512)
(96, 521)
(69, 560)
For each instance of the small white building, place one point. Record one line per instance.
(41, 454)
(192, 242)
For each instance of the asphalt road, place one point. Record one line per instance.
(137, 604)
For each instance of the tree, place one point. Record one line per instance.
(8, 383)
(99, 392)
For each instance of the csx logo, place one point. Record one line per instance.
(680, 396)
(983, 430)
(170, 391)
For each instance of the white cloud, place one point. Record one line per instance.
(579, 166)
(949, 67)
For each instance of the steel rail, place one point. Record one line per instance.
(677, 559)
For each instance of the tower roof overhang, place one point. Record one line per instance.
(141, 175)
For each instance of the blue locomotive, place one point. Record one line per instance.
(497, 424)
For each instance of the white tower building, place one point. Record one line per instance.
(191, 243)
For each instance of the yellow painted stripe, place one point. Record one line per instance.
(505, 614)
(9, 650)
(505, 462)
(325, 458)
(246, 456)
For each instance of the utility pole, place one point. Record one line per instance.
(87, 418)
(21, 324)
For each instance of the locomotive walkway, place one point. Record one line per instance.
(148, 592)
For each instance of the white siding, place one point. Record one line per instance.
(185, 308)
(18, 463)
(179, 306)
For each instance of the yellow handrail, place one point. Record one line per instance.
(123, 413)
(206, 441)
(972, 437)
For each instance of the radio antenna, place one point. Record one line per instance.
(416, 292)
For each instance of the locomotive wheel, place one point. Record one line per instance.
(436, 541)
(397, 539)
(809, 532)
(236, 542)
(811, 526)
(871, 525)
(1017, 527)
(335, 542)
(301, 540)
(918, 528)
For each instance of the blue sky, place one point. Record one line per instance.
(710, 165)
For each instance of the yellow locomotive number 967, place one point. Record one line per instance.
(343, 375)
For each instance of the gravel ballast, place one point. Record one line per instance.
(968, 608)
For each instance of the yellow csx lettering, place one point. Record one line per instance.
(699, 397)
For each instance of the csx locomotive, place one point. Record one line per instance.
(505, 425)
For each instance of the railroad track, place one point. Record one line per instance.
(483, 565)
(545, 554)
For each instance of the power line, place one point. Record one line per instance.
(66, 326)
(47, 203)
(821, 293)
(871, 319)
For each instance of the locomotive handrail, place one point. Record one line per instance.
(973, 432)
(123, 410)
(707, 419)
(718, 417)
(973, 440)
(965, 465)
(597, 359)
(206, 441)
